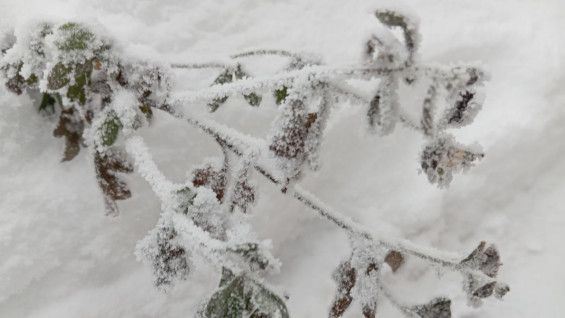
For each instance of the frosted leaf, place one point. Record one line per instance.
(345, 276)
(408, 25)
(428, 111)
(443, 157)
(463, 111)
(107, 166)
(71, 128)
(316, 125)
(382, 114)
(437, 308)
(394, 259)
(169, 260)
(288, 136)
(484, 258)
(242, 193)
(228, 76)
(213, 177)
(240, 296)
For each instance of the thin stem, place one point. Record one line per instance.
(263, 52)
(200, 65)
(395, 303)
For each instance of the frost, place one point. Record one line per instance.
(383, 109)
(443, 157)
(169, 260)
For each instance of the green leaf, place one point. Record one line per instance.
(58, 77)
(281, 94)
(253, 99)
(47, 104)
(216, 103)
(110, 128)
(76, 37)
(228, 302)
(78, 91)
(240, 296)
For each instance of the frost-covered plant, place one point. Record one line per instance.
(99, 99)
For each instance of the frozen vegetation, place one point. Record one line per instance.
(197, 171)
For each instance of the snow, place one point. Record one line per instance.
(61, 257)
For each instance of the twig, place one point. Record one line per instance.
(200, 65)
(264, 52)
(449, 261)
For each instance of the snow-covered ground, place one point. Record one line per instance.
(61, 257)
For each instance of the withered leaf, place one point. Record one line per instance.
(210, 177)
(345, 276)
(106, 166)
(394, 259)
(71, 128)
(486, 259)
(437, 308)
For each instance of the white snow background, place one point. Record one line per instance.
(61, 257)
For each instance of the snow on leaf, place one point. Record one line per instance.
(437, 308)
(169, 260)
(382, 114)
(394, 259)
(484, 258)
(106, 166)
(240, 296)
(70, 127)
(288, 136)
(345, 276)
(443, 157)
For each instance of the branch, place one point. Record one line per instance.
(264, 52)
(448, 260)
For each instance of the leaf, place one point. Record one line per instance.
(395, 19)
(71, 128)
(394, 259)
(228, 76)
(437, 308)
(210, 177)
(110, 128)
(239, 296)
(58, 77)
(169, 260)
(79, 90)
(281, 94)
(382, 113)
(75, 37)
(345, 276)
(463, 112)
(106, 166)
(486, 259)
(288, 141)
(428, 108)
(443, 157)
(253, 99)
(47, 104)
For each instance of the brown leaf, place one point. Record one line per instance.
(289, 141)
(70, 128)
(112, 187)
(394, 259)
(345, 276)
(210, 177)
(484, 259)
